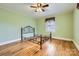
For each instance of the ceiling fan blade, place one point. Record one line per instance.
(33, 6)
(43, 10)
(45, 5)
(35, 10)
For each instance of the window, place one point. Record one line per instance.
(50, 24)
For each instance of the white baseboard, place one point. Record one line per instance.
(7, 42)
(60, 38)
(77, 46)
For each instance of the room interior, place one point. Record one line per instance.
(39, 29)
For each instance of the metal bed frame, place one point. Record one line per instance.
(33, 38)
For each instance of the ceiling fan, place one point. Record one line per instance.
(39, 7)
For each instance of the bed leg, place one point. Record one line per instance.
(40, 41)
(50, 36)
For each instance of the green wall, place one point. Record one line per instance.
(41, 26)
(76, 26)
(64, 25)
(11, 23)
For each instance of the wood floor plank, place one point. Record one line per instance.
(27, 48)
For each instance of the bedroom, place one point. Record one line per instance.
(15, 16)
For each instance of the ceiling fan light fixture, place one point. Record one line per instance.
(39, 7)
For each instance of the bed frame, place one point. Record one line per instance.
(29, 32)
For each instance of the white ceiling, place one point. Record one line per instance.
(54, 8)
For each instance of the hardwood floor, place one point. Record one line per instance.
(27, 48)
